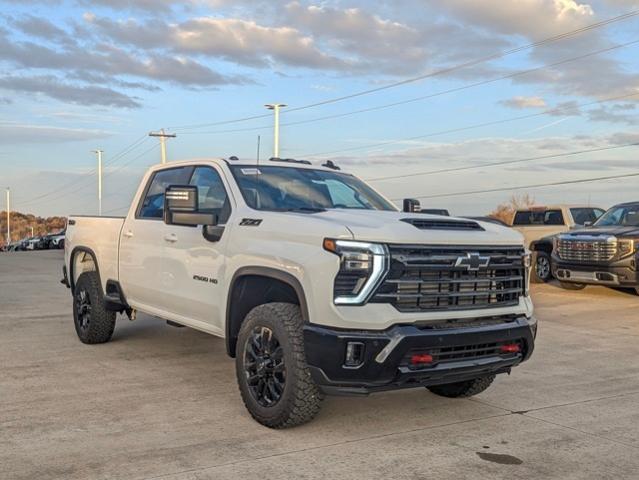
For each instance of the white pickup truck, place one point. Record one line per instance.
(317, 283)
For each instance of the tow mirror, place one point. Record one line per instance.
(587, 224)
(181, 207)
(411, 205)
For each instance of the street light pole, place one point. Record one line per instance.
(8, 216)
(276, 127)
(99, 154)
(163, 136)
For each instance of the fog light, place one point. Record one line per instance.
(510, 348)
(354, 354)
(421, 359)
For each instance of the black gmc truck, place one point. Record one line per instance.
(604, 253)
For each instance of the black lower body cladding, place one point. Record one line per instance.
(619, 273)
(384, 359)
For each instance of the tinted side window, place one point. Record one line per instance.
(522, 218)
(211, 192)
(153, 203)
(553, 217)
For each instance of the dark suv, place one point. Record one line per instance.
(604, 253)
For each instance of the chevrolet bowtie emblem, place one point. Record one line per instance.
(472, 261)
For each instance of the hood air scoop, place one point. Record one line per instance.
(432, 224)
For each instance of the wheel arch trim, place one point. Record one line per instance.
(266, 272)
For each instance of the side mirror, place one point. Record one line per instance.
(587, 224)
(411, 205)
(181, 207)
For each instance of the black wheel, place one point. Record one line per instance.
(93, 323)
(542, 272)
(464, 389)
(272, 374)
(572, 286)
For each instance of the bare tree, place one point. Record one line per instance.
(505, 211)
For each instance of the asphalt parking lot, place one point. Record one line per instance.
(162, 402)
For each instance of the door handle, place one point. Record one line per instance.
(171, 237)
(128, 234)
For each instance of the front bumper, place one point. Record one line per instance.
(621, 273)
(384, 354)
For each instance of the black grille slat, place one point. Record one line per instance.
(423, 278)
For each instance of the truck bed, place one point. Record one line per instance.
(99, 236)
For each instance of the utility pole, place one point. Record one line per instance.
(99, 154)
(163, 136)
(32, 232)
(8, 216)
(276, 128)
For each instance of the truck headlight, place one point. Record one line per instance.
(625, 247)
(362, 265)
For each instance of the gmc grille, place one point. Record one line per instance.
(427, 279)
(581, 250)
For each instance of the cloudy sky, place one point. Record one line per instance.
(445, 87)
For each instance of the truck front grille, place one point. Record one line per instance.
(432, 278)
(580, 250)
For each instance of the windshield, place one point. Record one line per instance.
(302, 189)
(620, 216)
(582, 215)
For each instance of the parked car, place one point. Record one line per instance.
(318, 284)
(539, 224)
(604, 253)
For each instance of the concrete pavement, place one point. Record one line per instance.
(162, 402)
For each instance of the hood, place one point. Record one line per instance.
(616, 230)
(396, 227)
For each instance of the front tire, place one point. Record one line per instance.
(93, 323)
(572, 286)
(464, 389)
(542, 269)
(274, 379)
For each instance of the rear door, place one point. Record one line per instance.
(143, 240)
(194, 265)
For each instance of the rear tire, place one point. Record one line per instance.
(93, 323)
(572, 286)
(542, 272)
(464, 389)
(274, 379)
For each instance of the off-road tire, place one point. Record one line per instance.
(546, 270)
(572, 286)
(463, 389)
(300, 399)
(101, 324)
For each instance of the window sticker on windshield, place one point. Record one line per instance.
(251, 171)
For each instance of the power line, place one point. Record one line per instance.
(442, 71)
(471, 127)
(506, 162)
(523, 187)
(423, 97)
(69, 187)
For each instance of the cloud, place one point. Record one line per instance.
(53, 87)
(5, 101)
(524, 102)
(239, 41)
(625, 113)
(14, 133)
(113, 60)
